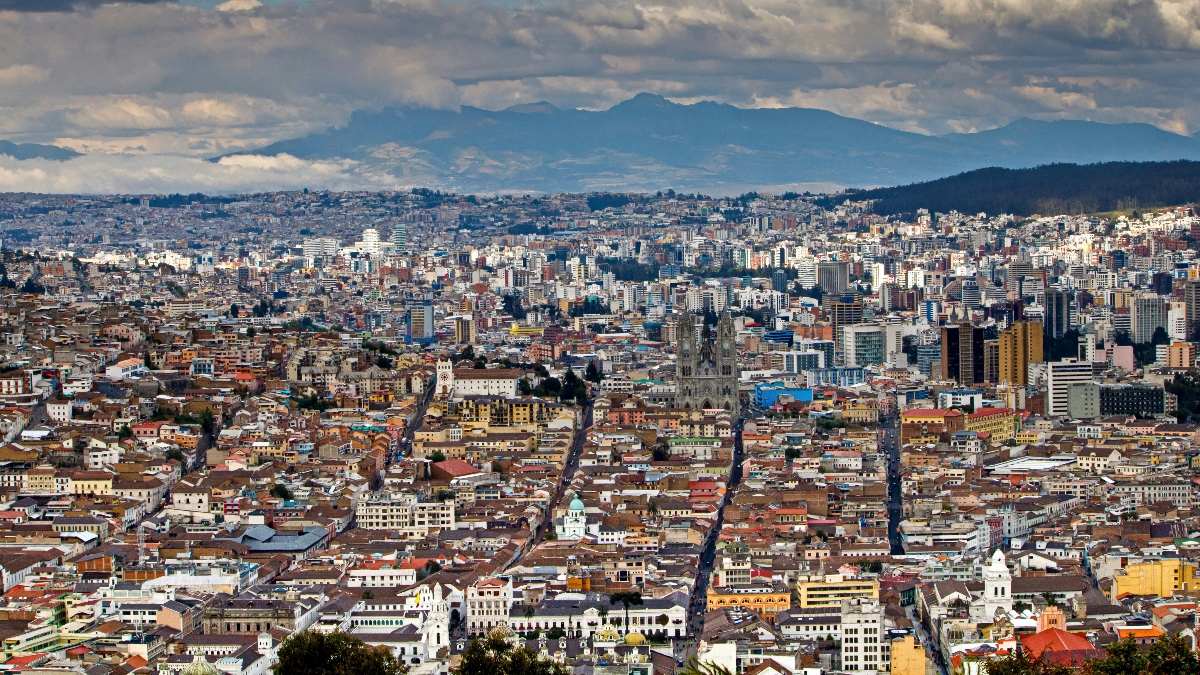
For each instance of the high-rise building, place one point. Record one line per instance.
(465, 330)
(400, 237)
(1191, 298)
(1060, 377)
(833, 277)
(972, 297)
(420, 322)
(962, 353)
(1058, 313)
(862, 345)
(844, 312)
(950, 352)
(970, 354)
(1147, 314)
(1020, 345)
(779, 281)
(991, 361)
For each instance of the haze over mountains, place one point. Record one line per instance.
(650, 143)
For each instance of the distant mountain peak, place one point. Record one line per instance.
(36, 151)
(649, 143)
(645, 100)
(541, 107)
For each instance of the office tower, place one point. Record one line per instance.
(970, 354)
(465, 330)
(972, 298)
(862, 345)
(1020, 345)
(400, 237)
(806, 272)
(1191, 298)
(844, 312)
(779, 281)
(319, 246)
(420, 322)
(1018, 270)
(950, 352)
(825, 347)
(1060, 377)
(991, 361)
(1058, 313)
(1147, 314)
(833, 277)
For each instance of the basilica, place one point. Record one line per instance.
(706, 369)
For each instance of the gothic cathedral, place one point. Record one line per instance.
(706, 371)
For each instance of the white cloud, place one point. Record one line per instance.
(97, 174)
(166, 78)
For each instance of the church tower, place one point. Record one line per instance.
(997, 588)
(706, 370)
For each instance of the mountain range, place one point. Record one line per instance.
(650, 143)
(35, 151)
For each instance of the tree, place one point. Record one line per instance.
(437, 456)
(661, 452)
(493, 655)
(175, 454)
(694, 667)
(206, 421)
(368, 595)
(1019, 662)
(1051, 601)
(626, 598)
(311, 653)
(281, 491)
(593, 373)
(125, 432)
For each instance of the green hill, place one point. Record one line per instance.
(1049, 189)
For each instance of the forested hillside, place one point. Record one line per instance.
(1049, 189)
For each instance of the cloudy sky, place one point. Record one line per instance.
(147, 88)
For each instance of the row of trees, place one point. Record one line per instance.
(309, 652)
(1169, 655)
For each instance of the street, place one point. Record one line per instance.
(889, 443)
(708, 556)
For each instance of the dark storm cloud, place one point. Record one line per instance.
(64, 5)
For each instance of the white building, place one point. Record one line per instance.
(574, 524)
(1060, 377)
(405, 514)
(125, 369)
(864, 647)
(488, 604)
(997, 590)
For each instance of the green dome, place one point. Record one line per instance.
(576, 504)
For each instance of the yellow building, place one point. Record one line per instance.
(91, 483)
(1020, 345)
(1160, 577)
(40, 480)
(764, 599)
(1000, 424)
(833, 589)
(1181, 355)
(909, 658)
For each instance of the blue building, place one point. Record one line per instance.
(841, 377)
(766, 394)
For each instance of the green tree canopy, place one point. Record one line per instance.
(493, 655)
(311, 653)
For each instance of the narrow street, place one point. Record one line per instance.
(889, 442)
(708, 556)
(568, 472)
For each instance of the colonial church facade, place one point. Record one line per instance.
(706, 369)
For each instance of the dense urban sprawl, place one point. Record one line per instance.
(774, 433)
